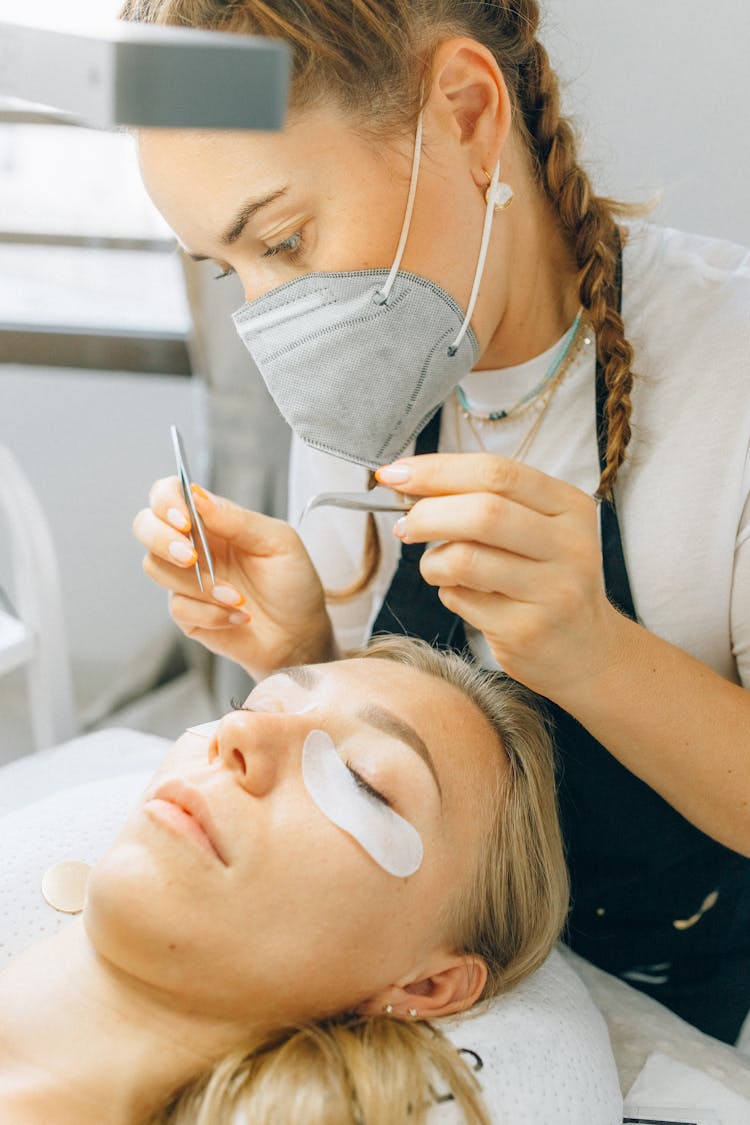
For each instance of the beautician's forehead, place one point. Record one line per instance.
(232, 152)
(170, 160)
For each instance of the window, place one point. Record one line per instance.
(89, 274)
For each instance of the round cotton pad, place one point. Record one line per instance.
(64, 885)
(390, 840)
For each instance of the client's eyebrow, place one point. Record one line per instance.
(381, 719)
(375, 716)
(241, 219)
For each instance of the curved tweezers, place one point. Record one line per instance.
(378, 499)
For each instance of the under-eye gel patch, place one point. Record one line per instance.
(387, 838)
(275, 706)
(205, 729)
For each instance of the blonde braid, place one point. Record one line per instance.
(588, 221)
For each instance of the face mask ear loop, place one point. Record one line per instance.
(383, 294)
(484, 246)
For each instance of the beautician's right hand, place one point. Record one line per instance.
(267, 609)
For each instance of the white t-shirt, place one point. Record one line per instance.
(683, 494)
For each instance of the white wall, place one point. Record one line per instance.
(661, 90)
(92, 444)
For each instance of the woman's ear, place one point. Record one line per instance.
(454, 984)
(469, 98)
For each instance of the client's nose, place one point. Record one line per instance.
(258, 746)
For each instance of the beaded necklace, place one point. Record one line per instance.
(499, 415)
(537, 399)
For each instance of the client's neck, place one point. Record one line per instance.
(81, 1043)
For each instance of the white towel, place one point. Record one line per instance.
(665, 1083)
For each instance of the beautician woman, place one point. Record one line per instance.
(434, 291)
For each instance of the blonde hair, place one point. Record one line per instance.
(511, 914)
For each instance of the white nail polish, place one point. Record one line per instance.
(176, 518)
(238, 618)
(181, 551)
(399, 527)
(394, 474)
(226, 595)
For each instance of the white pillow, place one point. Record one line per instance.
(545, 1054)
(544, 1049)
(76, 823)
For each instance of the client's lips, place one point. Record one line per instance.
(194, 803)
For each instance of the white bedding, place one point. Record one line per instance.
(545, 1048)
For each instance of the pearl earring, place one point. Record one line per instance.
(388, 1009)
(501, 195)
(413, 1013)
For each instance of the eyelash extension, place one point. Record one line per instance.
(362, 784)
(291, 253)
(237, 706)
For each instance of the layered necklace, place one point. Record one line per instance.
(537, 400)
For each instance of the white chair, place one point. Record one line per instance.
(35, 638)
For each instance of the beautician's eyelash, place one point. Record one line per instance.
(291, 247)
(362, 784)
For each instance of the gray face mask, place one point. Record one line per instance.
(358, 362)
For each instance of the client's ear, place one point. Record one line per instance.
(453, 985)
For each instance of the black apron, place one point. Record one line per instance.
(654, 899)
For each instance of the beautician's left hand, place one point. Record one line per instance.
(517, 556)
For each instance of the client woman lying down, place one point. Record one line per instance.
(302, 894)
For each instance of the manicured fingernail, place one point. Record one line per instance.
(176, 518)
(393, 474)
(227, 595)
(399, 527)
(182, 551)
(204, 495)
(239, 618)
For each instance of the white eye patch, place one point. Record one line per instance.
(281, 706)
(391, 841)
(205, 729)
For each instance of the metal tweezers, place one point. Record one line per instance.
(378, 499)
(196, 530)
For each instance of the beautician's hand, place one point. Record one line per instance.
(517, 556)
(267, 607)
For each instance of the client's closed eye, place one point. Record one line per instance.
(366, 787)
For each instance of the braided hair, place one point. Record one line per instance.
(588, 222)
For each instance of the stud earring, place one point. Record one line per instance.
(388, 1009)
(413, 1013)
(502, 194)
